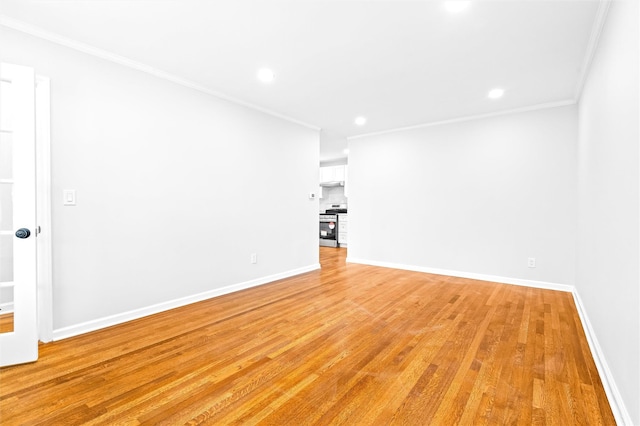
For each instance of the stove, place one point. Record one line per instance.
(329, 225)
(336, 208)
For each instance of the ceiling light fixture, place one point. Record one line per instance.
(495, 93)
(266, 75)
(456, 6)
(345, 151)
(360, 121)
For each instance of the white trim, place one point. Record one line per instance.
(43, 208)
(6, 308)
(7, 284)
(35, 31)
(109, 321)
(613, 394)
(592, 47)
(471, 275)
(566, 102)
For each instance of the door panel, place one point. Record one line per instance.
(18, 329)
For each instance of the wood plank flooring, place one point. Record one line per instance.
(6, 322)
(349, 344)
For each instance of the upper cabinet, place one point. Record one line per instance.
(331, 174)
(334, 176)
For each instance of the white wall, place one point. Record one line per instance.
(608, 266)
(478, 197)
(175, 188)
(332, 148)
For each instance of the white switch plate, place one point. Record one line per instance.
(69, 197)
(531, 262)
(254, 257)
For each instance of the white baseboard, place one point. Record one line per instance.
(471, 275)
(93, 325)
(6, 308)
(613, 394)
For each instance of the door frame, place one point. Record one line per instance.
(43, 209)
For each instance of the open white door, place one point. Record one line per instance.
(18, 291)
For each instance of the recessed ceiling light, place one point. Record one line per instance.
(456, 6)
(495, 93)
(360, 121)
(266, 75)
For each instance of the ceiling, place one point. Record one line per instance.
(398, 63)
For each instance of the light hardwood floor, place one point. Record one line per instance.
(6, 323)
(349, 344)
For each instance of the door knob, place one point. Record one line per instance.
(23, 233)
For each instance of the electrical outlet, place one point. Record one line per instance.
(531, 262)
(254, 257)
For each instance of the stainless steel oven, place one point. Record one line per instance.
(329, 230)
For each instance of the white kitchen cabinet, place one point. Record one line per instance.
(332, 174)
(325, 174)
(343, 225)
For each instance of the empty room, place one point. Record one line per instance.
(358, 212)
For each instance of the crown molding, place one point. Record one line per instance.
(41, 33)
(592, 46)
(469, 118)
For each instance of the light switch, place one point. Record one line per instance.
(69, 197)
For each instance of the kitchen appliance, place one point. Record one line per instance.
(329, 224)
(329, 230)
(336, 208)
